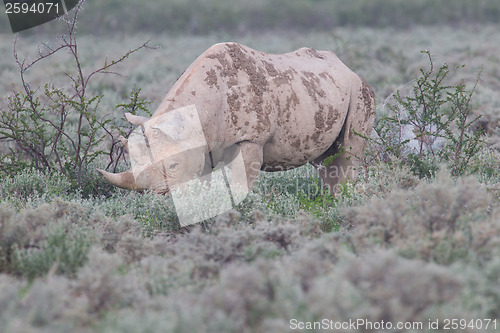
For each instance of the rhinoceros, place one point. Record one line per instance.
(276, 111)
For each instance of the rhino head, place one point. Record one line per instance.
(166, 151)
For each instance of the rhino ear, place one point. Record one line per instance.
(124, 142)
(135, 120)
(177, 128)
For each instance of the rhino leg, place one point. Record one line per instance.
(246, 173)
(349, 147)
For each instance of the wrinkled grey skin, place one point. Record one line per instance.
(280, 111)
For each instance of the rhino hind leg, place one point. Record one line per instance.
(338, 171)
(349, 147)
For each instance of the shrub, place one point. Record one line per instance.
(62, 251)
(382, 286)
(301, 189)
(441, 222)
(30, 184)
(156, 213)
(134, 105)
(56, 128)
(102, 287)
(483, 294)
(35, 241)
(255, 275)
(44, 305)
(432, 122)
(485, 166)
(381, 179)
(56, 237)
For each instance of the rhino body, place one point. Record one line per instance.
(279, 111)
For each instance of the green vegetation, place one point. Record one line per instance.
(436, 117)
(415, 236)
(71, 264)
(54, 128)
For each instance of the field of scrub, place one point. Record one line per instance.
(415, 237)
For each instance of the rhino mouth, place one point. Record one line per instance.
(162, 190)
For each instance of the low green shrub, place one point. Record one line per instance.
(31, 183)
(442, 222)
(155, 212)
(36, 241)
(423, 166)
(61, 251)
(410, 253)
(433, 122)
(56, 237)
(485, 166)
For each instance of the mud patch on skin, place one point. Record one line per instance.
(315, 53)
(292, 100)
(211, 78)
(233, 102)
(315, 137)
(285, 77)
(312, 84)
(226, 69)
(319, 122)
(333, 116)
(234, 119)
(271, 70)
(326, 76)
(241, 61)
(263, 121)
(296, 143)
(234, 108)
(368, 97)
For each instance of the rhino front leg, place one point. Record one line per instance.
(246, 166)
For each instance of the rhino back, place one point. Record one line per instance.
(293, 104)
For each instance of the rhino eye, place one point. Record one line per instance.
(173, 166)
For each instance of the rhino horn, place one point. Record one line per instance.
(123, 179)
(135, 120)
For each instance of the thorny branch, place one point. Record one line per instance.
(51, 115)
